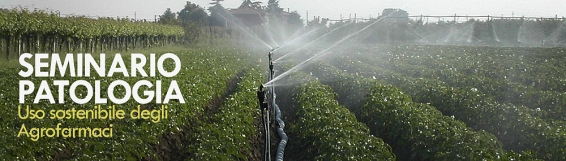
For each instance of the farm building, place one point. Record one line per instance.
(249, 16)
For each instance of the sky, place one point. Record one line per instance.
(333, 9)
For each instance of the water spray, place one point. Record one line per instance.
(269, 97)
(297, 38)
(269, 34)
(298, 49)
(319, 54)
(272, 50)
(292, 36)
(247, 30)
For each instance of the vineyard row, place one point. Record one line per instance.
(39, 31)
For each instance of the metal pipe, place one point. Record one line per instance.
(283, 142)
(263, 105)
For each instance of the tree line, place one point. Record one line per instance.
(197, 22)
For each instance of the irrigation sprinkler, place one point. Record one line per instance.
(266, 98)
(273, 50)
(261, 98)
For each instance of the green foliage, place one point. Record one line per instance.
(44, 32)
(524, 156)
(192, 32)
(168, 18)
(203, 74)
(19, 22)
(192, 18)
(295, 19)
(249, 3)
(228, 136)
(216, 2)
(422, 132)
(471, 97)
(415, 131)
(329, 130)
(273, 7)
(215, 18)
(527, 77)
(192, 14)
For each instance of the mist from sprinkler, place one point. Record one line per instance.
(298, 49)
(554, 36)
(495, 37)
(269, 34)
(321, 53)
(240, 25)
(297, 38)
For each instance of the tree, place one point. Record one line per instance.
(249, 3)
(216, 15)
(168, 18)
(273, 7)
(295, 19)
(192, 13)
(192, 18)
(216, 2)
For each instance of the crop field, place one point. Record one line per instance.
(261, 82)
(218, 86)
(386, 102)
(430, 102)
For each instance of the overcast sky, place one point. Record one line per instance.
(324, 8)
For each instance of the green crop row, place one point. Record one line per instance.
(551, 102)
(422, 132)
(415, 131)
(518, 127)
(228, 136)
(541, 68)
(330, 131)
(502, 89)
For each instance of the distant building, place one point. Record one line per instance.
(396, 14)
(285, 14)
(249, 16)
